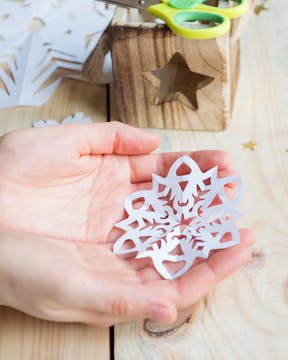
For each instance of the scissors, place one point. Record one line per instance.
(179, 15)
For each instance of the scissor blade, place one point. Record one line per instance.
(141, 5)
(137, 4)
(122, 3)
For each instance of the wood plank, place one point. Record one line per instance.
(70, 97)
(24, 337)
(246, 316)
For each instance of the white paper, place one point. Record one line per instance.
(107, 73)
(38, 37)
(171, 224)
(78, 118)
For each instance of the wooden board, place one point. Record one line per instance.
(23, 337)
(70, 97)
(246, 317)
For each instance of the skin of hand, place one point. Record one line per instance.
(63, 188)
(85, 282)
(70, 181)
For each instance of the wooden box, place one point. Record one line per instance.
(164, 81)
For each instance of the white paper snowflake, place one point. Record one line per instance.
(78, 118)
(39, 37)
(185, 216)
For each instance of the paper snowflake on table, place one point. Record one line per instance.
(39, 37)
(78, 118)
(185, 216)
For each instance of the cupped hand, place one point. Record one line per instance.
(85, 282)
(70, 181)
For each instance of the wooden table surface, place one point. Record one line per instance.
(246, 316)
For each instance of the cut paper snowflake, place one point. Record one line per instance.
(78, 118)
(41, 41)
(183, 217)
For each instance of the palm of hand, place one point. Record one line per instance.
(78, 286)
(74, 198)
(86, 282)
(54, 183)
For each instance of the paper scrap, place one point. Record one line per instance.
(78, 118)
(183, 217)
(42, 41)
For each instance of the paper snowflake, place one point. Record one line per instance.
(183, 217)
(39, 37)
(78, 118)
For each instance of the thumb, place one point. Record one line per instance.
(112, 138)
(132, 301)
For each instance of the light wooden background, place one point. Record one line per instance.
(245, 317)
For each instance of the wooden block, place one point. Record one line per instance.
(165, 81)
(234, 57)
(92, 68)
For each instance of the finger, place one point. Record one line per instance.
(125, 299)
(147, 185)
(230, 189)
(204, 276)
(102, 319)
(95, 318)
(146, 272)
(142, 167)
(112, 138)
(227, 173)
(139, 264)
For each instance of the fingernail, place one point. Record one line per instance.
(161, 313)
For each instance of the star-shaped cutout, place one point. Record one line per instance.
(178, 82)
(250, 145)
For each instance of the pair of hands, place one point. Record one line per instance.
(62, 189)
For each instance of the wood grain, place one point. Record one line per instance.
(23, 337)
(70, 97)
(140, 48)
(246, 316)
(92, 69)
(238, 25)
(138, 51)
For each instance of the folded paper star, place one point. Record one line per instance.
(178, 82)
(183, 217)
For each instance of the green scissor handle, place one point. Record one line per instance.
(176, 12)
(230, 12)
